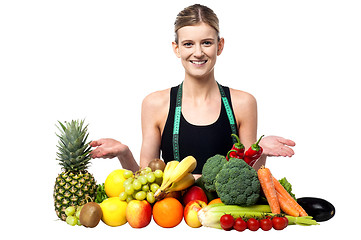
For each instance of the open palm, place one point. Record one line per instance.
(277, 146)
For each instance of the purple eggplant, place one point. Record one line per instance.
(320, 209)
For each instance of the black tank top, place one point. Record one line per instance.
(201, 142)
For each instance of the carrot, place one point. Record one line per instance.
(265, 178)
(286, 206)
(282, 191)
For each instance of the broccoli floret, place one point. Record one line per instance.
(237, 183)
(210, 170)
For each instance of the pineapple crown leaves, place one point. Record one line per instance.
(73, 149)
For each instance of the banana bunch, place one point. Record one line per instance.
(177, 176)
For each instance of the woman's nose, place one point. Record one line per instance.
(198, 52)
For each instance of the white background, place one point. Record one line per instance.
(63, 60)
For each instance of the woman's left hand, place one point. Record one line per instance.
(275, 146)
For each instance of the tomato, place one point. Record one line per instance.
(286, 219)
(265, 224)
(240, 225)
(279, 223)
(227, 222)
(253, 224)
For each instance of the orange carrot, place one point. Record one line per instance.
(286, 206)
(265, 178)
(282, 191)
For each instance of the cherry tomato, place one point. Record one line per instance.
(227, 222)
(279, 223)
(286, 219)
(265, 224)
(240, 225)
(253, 224)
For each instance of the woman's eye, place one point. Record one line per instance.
(187, 44)
(207, 43)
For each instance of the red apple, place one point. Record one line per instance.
(191, 213)
(138, 213)
(194, 193)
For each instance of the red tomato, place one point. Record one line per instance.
(265, 224)
(227, 222)
(286, 219)
(253, 224)
(279, 223)
(240, 225)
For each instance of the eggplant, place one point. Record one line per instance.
(320, 209)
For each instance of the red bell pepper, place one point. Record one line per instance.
(237, 150)
(253, 153)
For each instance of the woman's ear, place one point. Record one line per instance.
(175, 49)
(220, 46)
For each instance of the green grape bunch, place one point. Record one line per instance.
(141, 185)
(72, 215)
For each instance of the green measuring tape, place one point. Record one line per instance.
(178, 111)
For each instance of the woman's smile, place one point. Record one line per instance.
(198, 63)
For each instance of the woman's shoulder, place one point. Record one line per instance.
(243, 98)
(157, 100)
(244, 106)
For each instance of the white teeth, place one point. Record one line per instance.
(198, 62)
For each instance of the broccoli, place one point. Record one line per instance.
(210, 170)
(237, 183)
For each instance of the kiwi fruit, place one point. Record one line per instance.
(156, 164)
(90, 214)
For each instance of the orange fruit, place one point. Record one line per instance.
(217, 200)
(168, 212)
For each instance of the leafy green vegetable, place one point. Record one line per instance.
(237, 183)
(101, 195)
(210, 170)
(287, 185)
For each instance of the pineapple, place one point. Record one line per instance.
(74, 186)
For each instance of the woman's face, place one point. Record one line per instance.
(198, 49)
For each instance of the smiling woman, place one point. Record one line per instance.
(198, 116)
(198, 48)
(197, 41)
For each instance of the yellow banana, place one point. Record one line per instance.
(168, 170)
(177, 176)
(187, 165)
(182, 184)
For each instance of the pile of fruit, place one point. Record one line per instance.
(137, 197)
(229, 195)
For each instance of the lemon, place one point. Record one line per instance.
(114, 211)
(114, 183)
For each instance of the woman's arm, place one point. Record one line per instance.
(245, 111)
(154, 114)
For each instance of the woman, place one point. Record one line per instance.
(197, 117)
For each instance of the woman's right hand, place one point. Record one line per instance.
(107, 148)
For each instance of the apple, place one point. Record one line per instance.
(191, 213)
(194, 193)
(138, 213)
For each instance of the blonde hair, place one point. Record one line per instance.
(194, 15)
